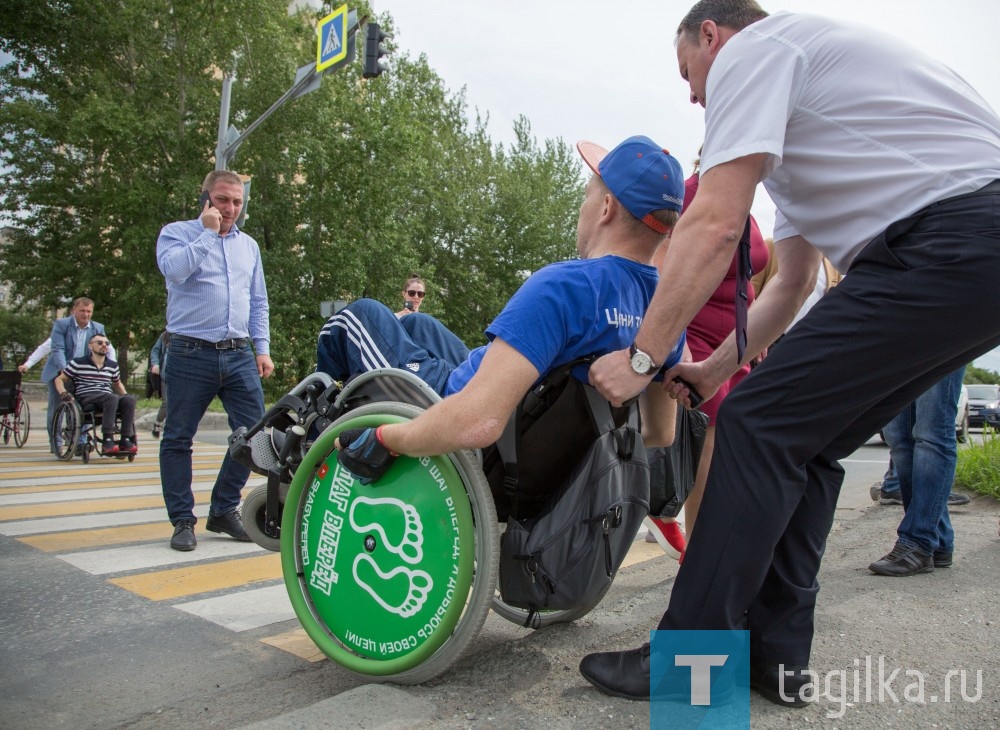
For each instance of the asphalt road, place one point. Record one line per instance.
(105, 627)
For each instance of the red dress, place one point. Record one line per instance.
(717, 319)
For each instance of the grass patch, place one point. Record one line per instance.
(978, 467)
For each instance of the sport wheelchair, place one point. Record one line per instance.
(16, 416)
(392, 581)
(74, 427)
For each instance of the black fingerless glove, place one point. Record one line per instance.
(363, 454)
(66, 396)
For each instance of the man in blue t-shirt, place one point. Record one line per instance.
(564, 311)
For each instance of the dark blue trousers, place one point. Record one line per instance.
(366, 335)
(920, 301)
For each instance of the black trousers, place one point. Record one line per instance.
(110, 405)
(920, 300)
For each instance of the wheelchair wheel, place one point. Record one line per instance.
(7, 427)
(392, 581)
(541, 619)
(85, 450)
(66, 428)
(254, 507)
(22, 422)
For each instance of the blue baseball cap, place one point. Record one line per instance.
(641, 174)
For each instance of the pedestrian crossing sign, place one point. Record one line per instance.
(331, 41)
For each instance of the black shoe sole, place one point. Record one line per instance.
(242, 538)
(906, 574)
(184, 548)
(613, 692)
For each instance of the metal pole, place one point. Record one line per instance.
(221, 160)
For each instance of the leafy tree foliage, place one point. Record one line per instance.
(108, 125)
(974, 375)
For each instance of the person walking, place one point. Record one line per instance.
(216, 304)
(888, 163)
(158, 361)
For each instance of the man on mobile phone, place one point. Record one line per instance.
(216, 308)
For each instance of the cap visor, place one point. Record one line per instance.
(592, 154)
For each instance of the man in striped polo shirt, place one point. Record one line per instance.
(97, 381)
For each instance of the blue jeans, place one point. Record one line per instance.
(924, 451)
(890, 482)
(197, 374)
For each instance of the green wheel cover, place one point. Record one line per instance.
(377, 574)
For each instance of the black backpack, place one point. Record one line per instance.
(565, 554)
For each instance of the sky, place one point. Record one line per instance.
(589, 69)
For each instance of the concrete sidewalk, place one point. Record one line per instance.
(889, 652)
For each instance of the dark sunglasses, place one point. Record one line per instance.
(101, 342)
(414, 293)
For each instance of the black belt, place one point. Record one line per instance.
(233, 344)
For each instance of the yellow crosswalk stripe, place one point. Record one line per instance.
(192, 580)
(55, 542)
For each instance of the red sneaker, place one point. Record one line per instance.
(668, 535)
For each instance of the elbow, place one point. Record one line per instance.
(485, 433)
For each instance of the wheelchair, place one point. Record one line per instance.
(75, 427)
(15, 416)
(394, 580)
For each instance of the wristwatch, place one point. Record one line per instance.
(641, 362)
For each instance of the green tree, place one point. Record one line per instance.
(108, 126)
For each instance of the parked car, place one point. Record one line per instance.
(962, 416)
(982, 396)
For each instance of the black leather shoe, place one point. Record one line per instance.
(619, 673)
(184, 539)
(904, 560)
(230, 524)
(942, 559)
(781, 684)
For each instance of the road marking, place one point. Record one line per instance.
(192, 580)
(155, 555)
(245, 610)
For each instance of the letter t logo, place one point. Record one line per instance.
(701, 674)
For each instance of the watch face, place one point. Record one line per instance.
(641, 363)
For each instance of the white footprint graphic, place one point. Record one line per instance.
(410, 546)
(420, 585)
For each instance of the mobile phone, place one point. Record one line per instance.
(202, 199)
(408, 305)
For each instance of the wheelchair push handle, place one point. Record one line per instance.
(693, 395)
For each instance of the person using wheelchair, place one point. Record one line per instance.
(564, 311)
(96, 382)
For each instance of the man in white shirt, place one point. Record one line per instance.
(888, 163)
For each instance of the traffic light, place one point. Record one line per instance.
(374, 50)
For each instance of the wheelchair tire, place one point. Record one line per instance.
(66, 422)
(446, 611)
(22, 423)
(541, 619)
(6, 432)
(85, 452)
(253, 510)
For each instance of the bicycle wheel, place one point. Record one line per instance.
(22, 422)
(391, 612)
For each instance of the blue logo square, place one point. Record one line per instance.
(699, 679)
